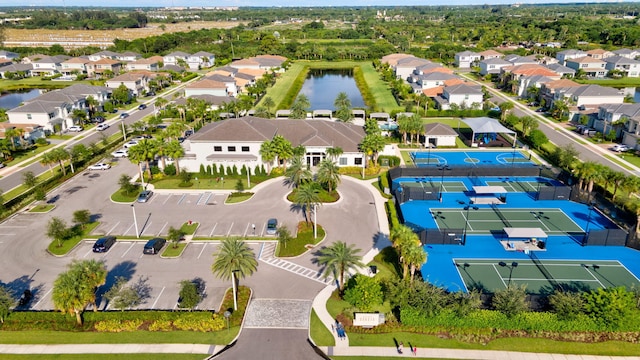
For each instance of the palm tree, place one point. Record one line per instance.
(299, 107)
(404, 127)
(79, 116)
(307, 197)
(505, 107)
(415, 257)
(174, 150)
(297, 173)
(92, 104)
(144, 151)
(12, 133)
(403, 238)
(234, 260)
(283, 149)
(5, 149)
(268, 154)
(268, 103)
(338, 259)
(75, 288)
(328, 174)
(343, 107)
(334, 152)
(60, 155)
(372, 144)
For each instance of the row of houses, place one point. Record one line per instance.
(97, 64)
(595, 63)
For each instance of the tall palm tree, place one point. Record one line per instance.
(334, 152)
(268, 154)
(12, 133)
(92, 104)
(338, 259)
(144, 152)
(174, 150)
(505, 107)
(283, 149)
(234, 259)
(414, 256)
(343, 107)
(404, 127)
(307, 196)
(328, 174)
(268, 103)
(297, 173)
(403, 238)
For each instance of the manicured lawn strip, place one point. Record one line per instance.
(69, 244)
(20, 156)
(297, 245)
(189, 229)
(134, 337)
(612, 348)
(36, 82)
(110, 356)
(319, 333)
(42, 208)
(278, 92)
(380, 89)
(622, 82)
(371, 358)
(236, 197)
(229, 183)
(170, 251)
(122, 197)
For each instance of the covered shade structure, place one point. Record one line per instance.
(485, 125)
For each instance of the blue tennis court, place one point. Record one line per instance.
(477, 158)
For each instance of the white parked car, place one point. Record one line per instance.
(100, 166)
(130, 144)
(122, 153)
(75, 128)
(103, 126)
(620, 147)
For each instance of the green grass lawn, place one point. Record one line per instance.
(122, 197)
(42, 208)
(319, 333)
(69, 244)
(189, 229)
(298, 245)
(132, 337)
(238, 197)
(171, 251)
(205, 183)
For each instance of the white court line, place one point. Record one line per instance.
(230, 227)
(158, 298)
(88, 252)
(42, 298)
(164, 226)
(201, 251)
(212, 230)
(500, 276)
(125, 253)
(594, 278)
(113, 228)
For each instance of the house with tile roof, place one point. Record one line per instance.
(225, 71)
(105, 54)
(431, 67)
(104, 66)
(466, 59)
(627, 67)
(591, 67)
(406, 66)
(128, 56)
(521, 76)
(30, 132)
(548, 90)
(229, 82)
(8, 55)
(627, 53)
(206, 87)
(136, 81)
(565, 55)
(201, 59)
(590, 95)
(392, 59)
(493, 66)
(517, 60)
(623, 119)
(429, 80)
(561, 69)
(149, 64)
(237, 142)
(599, 54)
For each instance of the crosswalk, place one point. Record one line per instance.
(267, 255)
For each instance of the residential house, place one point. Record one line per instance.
(490, 54)
(136, 81)
(99, 93)
(405, 67)
(519, 77)
(590, 66)
(526, 83)
(48, 66)
(103, 66)
(229, 82)
(561, 69)
(206, 87)
(626, 66)
(243, 80)
(590, 95)
(429, 80)
(392, 59)
(492, 66)
(517, 60)
(21, 70)
(215, 102)
(128, 56)
(548, 90)
(565, 55)
(625, 115)
(33, 58)
(627, 53)
(463, 95)
(176, 58)
(226, 71)
(466, 59)
(149, 64)
(76, 65)
(599, 54)
(265, 62)
(105, 54)
(8, 55)
(51, 110)
(30, 133)
(431, 67)
(237, 142)
(201, 59)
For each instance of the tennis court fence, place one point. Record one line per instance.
(465, 171)
(606, 237)
(405, 193)
(554, 193)
(441, 236)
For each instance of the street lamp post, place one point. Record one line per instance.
(124, 132)
(135, 221)
(586, 230)
(468, 207)
(513, 266)
(227, 314)
(315, 221)
(443, 168)
(235, 291)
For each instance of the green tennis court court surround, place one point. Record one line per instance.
(486, 220)
(489, 275)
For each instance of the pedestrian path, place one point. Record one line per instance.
(110, 349)
(267, 255)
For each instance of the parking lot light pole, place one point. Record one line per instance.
(124, 132)
(443, 168)
(135, 221)
(235, 291)
(315, 221)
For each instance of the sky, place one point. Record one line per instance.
(271, 3)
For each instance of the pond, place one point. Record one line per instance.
(323, 86)
(12, 99)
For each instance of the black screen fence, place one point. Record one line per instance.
(406, 193)
(606, 237)
(554, 193)
(441, 236)
(467, 171)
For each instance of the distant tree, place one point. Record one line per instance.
(189, 296)
(81, 217)
(29, 179)
(538, 138)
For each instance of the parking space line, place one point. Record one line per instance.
(214, 229)
(89, 252)
(168, 197)
(42, 298)
(146, 227)
(125, 253)
(201, 251)
(129, 228)
(246, 229)
(113, 228)
(7, 234)
(163, 226)
(230, 227)
(158, 298)
(202, 200)
(182, 198)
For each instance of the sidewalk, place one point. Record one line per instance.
(110, 349)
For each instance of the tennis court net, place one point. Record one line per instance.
(544, 271)
(499, 213)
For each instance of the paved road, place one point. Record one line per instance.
(559, 135)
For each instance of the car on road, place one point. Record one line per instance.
(124, 116)
(272, 226)
(154, 246)
(100, 166)
(620, 147)
(144, 196)
(142, 106)
(141, 137)
(103, 244)
(151, 93)
(103, 126)
(98, 120)
(122, 153)
(76, 128)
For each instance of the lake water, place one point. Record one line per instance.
(323, 86)
(12, 99)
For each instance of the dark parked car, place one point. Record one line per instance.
(153, 246)
(25, 298)
(142, 107)
(188, 133)
(103, 244)
(124, 115)
(151, 93)
(98, 120)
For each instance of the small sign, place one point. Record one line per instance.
(368, 320)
